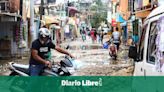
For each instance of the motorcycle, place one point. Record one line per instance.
(65, 68)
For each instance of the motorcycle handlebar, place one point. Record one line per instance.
(68, 57)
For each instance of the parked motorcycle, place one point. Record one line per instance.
(65, 68)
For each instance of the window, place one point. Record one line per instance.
(141, 43)
(131, 5)
(151, 50)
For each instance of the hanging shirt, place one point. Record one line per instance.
(135, 38)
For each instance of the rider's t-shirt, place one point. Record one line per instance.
(43, 50)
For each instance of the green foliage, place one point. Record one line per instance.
(100, 13)
(99, 2)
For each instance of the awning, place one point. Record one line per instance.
(50, 20)
(119, 18)
(124, 23)
(73, 10)
(53, 26)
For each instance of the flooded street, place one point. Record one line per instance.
(81, 45)
(97, 62)
(101, 64)
(92, 59)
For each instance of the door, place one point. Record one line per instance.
(149, 65)
(139, 66)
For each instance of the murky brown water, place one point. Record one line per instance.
(96, 61)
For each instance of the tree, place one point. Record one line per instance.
(100, 13)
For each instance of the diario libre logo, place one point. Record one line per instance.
(81, 82)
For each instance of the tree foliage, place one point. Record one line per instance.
(100, 13)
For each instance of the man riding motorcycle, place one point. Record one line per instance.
(40, 52)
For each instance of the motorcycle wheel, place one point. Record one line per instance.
(66, 74)
(13, 74)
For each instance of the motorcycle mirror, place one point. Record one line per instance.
(67, 57)
(66, 63)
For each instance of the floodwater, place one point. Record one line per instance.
(92, 60)
(96, 61)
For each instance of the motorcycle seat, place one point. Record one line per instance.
(21, 67)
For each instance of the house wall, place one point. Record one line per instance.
(123, 9)
(7, 39)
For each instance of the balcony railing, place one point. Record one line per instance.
(148, 6)
(139, 7)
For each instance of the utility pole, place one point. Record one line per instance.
(21, 8)
(32, 20)
(68, 8)
(41, 9)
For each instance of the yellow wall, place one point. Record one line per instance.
(145, 2)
